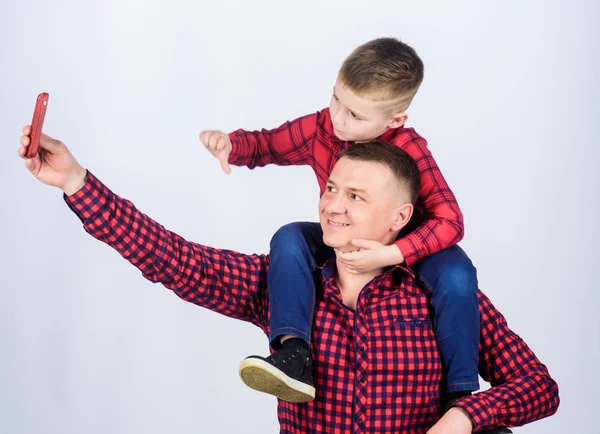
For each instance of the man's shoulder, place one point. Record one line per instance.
(490, 315)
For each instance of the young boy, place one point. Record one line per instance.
(373, 90)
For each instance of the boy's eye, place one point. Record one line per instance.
(355, 117)
(334, 97)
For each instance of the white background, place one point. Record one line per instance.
(509, 107)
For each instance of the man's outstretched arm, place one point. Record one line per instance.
(224, 281)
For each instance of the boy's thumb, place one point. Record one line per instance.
(223, 159)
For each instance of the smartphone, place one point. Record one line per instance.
(36, 125)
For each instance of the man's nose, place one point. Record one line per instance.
(336, 205)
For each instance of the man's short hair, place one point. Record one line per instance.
(400, 163)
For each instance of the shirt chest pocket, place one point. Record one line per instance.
(413, 322)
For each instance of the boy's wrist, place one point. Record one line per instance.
(395, 255)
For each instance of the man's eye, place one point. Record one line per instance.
(355, 197)
(330, 189)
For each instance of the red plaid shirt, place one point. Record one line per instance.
(310, 140)
(377, 369)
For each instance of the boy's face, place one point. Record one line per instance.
(363, 200)
(358, 119)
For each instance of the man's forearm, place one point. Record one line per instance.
(224, 281)
(522, 389)
(515, 403)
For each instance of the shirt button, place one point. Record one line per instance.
(363, 380)
(363, 348)
(360, 422)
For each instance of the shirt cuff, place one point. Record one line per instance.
(90, 199)
(235, 157)
(479, 411)
(407, 250)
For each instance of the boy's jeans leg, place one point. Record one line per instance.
(452, 279)
(291, 286)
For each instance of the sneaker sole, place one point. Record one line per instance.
(264, 377)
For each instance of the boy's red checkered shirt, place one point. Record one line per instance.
(310, 141)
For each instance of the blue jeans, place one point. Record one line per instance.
(452, 280)
(297, 248)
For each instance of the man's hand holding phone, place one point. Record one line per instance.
(54, 164)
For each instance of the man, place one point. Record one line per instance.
(376, 361)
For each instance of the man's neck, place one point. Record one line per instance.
(351, 284)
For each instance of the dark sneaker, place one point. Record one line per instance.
(287, 374)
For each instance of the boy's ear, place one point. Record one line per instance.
(398, 120)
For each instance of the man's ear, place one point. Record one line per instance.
(403, 214)
(398, 120)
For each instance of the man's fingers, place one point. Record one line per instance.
(49, 144)
(33, 164)
(46, 142)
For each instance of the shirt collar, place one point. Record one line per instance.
(329, 268)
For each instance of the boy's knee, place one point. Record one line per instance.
(459, 280)
(288, 235)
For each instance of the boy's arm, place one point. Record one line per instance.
(226, 282)
(442, 224)
(288, 145)
(522, 389)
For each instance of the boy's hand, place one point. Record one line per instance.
(219, 145)
(53, 165)
(454, 421)
(370, 256)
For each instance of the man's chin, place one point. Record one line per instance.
(338, 244)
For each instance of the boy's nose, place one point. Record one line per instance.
(339, 119)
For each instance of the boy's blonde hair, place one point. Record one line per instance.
(385, 70)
